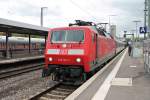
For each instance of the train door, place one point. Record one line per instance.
(96, 40)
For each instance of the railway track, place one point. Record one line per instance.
(57, 92)
(19, 70)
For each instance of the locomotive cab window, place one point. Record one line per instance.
(58, 36)
(67, 36)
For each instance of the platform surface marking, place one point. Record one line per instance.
(132, 66)
(122, 81)
(103, 90)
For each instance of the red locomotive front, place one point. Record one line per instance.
(67, 52)
(65, 47)
(73, 53)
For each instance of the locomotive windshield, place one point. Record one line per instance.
(64, 36)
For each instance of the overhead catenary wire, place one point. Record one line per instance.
(83, 10)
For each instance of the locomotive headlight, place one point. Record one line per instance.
(64, 45)
(50, 59)
(78, 60)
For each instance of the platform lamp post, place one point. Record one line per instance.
(42, 9)
(136, 26)
(148, 17)
(133, 31)
(145, 16)
(145, 25)
(110, 22)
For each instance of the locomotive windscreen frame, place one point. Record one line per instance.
(67, 36)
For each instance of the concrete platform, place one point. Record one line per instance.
(123, 79)
(132, 68)
(9, 61)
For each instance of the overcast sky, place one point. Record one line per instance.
(62, 12)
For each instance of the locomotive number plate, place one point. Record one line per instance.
(63, 51)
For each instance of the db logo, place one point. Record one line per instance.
(63, 51)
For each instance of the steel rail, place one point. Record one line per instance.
(15, 71)
(57, 92)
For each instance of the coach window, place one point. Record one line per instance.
(2, 45)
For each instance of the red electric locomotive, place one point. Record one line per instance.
(73, 53)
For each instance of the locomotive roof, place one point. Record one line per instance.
(76, 27)
(92, 28)
(18, 27)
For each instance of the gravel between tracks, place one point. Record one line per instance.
(23, 86)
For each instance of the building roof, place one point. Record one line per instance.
(21, 28)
